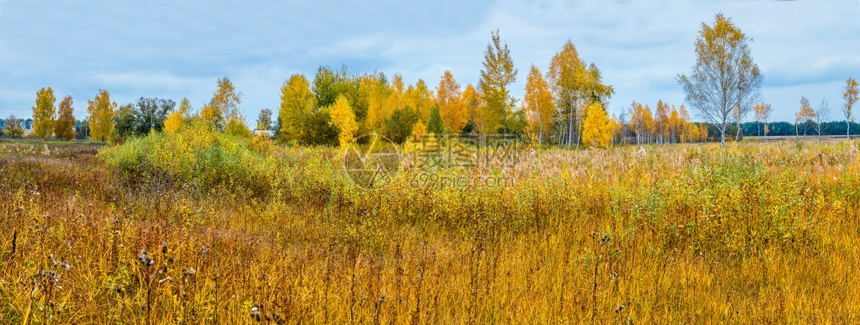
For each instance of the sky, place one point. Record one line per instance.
(179, 48)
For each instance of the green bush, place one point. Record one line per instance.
(196, 155)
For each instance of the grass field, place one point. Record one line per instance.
(753, 233)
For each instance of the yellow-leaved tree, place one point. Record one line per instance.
(177, 118)
(420, 98)
(64, 126)
(101, 111)
(343, 118)
(451, 108)
(850, 95)
(472, 103)
(596, 127)
(396, 99)
(806, 114)
(297, 101)
(44, 113)
(538, 104)
(762, 112)
(376, 91)
(224, 105)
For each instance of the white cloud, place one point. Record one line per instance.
(176, 49)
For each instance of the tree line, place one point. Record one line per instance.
(564, 107)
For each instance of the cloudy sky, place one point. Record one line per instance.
(179, 48)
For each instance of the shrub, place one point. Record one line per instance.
(196, 155)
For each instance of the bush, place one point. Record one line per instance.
(195, 155)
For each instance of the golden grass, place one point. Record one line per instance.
(755, 233)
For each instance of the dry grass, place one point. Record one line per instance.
(758, 232)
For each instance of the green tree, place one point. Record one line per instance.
(150, 113)
(264, 121)
(434, 124)
(64, 126)
(497, 74)
(318, 129)
(44, 113)
(82, 130)
(725, 77)
(124, 122)
(399, 126)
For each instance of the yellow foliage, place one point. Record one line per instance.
(343, 118)
(451, 108)
(420, 98)
(297, 100)
(236, 126)
(538, 104)
(44, 113)
(418, 131)
(596, 127)
(101, 111)
(64, 126)
(174, 122)
(177, 119)
(472, 102)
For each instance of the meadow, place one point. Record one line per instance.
(204, 228)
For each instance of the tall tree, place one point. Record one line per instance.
(724, 76)
(497, 74)
(420, 98)
(822, 113)
(150, 114)
(101, 111)
(472, 102)
(375, 91)
(451, 108)
(805, 114)
(396, 99)
(434, 123)
(851, 96)
(124, 122)
(64, 127)
(297, 102)
(662, 119)
(565, 75)
(264, 121)
(343, 118)
(44, 113)
(762, 113)
(637, 121)
(538, 104)
(223, 106)
(574, 86)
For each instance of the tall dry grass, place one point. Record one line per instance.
(676, 234)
